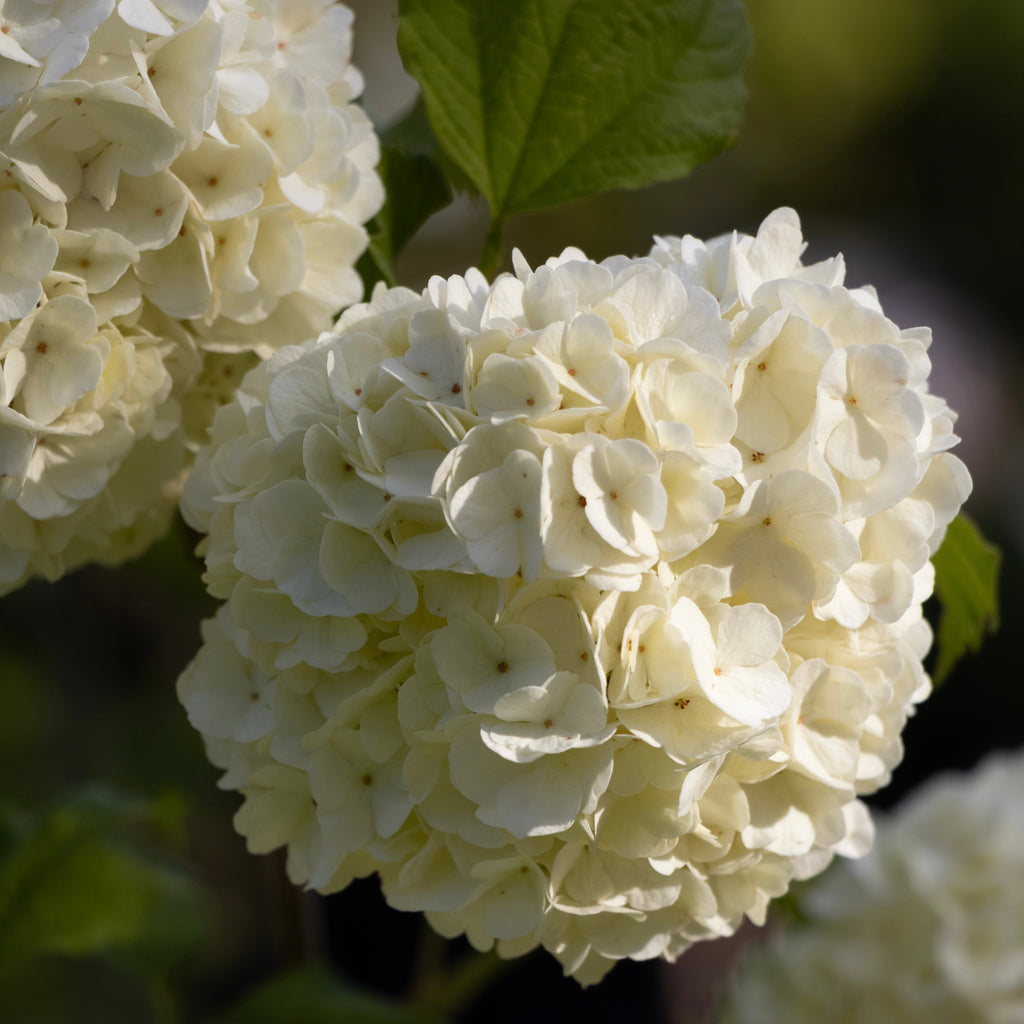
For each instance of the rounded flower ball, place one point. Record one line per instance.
(183, 185)
(581, 606)
(929, 927)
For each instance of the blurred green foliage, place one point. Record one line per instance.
(314, 995)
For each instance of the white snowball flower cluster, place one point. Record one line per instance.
(183, 183)
(928, 927)
(581, 606)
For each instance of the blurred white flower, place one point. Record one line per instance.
(928, 927)
(186, 185)
(585, 618)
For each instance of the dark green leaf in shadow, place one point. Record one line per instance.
(312, 995)
(542, 102)
(73, 884)
(967, 586)
(416, 187)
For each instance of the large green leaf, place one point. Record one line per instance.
(967, 586)
(71, 884)
(541, 102)
(312, 995)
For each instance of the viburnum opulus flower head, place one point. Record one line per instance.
(183, 185)
(581, 606)
(928, 927)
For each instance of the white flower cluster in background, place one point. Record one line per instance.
(183, 183)
(928, 927)
(583, 605)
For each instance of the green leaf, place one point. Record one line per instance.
(542, 102)
(416, 188)
(312, 995)
(71, 884)
(967, 586)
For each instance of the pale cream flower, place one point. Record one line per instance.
(149, 247)
(586, 619)
(929, 926)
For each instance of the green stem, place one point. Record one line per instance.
(429, 968)
(451, 990)
(470, 976)
(164, 1003)
(493, 254)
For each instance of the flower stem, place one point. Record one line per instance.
(451, 989)
(493, 254)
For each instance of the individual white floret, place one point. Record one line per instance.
(784, 545)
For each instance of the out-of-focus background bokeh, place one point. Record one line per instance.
(896, 129)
